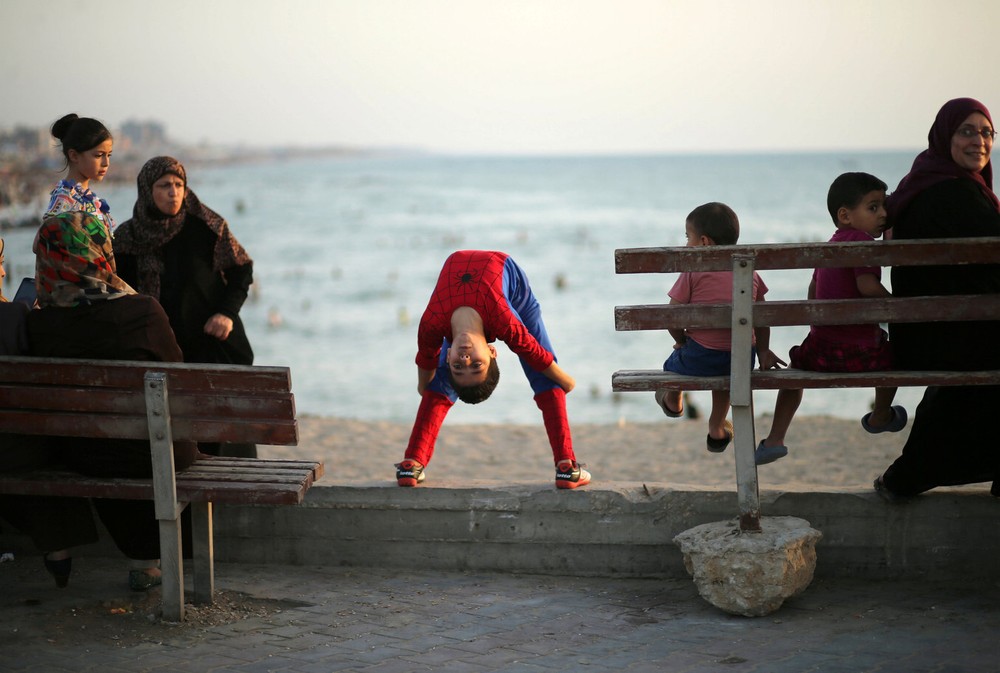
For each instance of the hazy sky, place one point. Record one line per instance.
(506, 76)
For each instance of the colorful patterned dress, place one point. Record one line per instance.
(68, 196)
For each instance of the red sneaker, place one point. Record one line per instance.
(569, 474)
(409, 473)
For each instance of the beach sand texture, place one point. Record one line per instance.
(824, 452)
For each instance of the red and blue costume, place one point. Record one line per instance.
(498, 289)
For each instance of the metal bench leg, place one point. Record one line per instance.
(204, 553)
(741, 395)
(168, 510)
(172, 568)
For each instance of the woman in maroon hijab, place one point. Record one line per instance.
(948, 193)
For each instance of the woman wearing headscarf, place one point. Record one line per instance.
(948, 193)
(183, 254)
(87, 311)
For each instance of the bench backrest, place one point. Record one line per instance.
(105, 399)
(808, 256)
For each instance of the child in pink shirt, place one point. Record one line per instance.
(708, 352)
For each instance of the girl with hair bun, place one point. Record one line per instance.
(86, 144)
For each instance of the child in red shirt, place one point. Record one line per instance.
(856, 202)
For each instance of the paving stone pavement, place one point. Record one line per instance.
(323, 619)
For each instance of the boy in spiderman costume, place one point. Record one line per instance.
(482, 296)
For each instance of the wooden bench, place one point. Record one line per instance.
(161, 402)
(744, 314)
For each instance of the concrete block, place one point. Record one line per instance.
(611, 529)
(750, 574)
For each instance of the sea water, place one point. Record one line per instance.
(347, 249)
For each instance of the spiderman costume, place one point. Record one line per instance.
(497, 288)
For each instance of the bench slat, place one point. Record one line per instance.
(126, 374)
(639, 380)
(25, 397)
(274, 431)
(816, 312)
(809, 255)
(282, 484)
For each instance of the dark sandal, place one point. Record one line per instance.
(60, 570)
(897, 423)
(884, 492)
(719, 445)
(140, 580)
(661, 396)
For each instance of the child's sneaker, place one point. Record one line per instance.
(569, 474)
(409, 473)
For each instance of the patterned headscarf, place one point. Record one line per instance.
(74, 262)
(150, 229)
(935, 164)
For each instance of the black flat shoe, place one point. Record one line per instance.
(60, 570)
(140, 580)
(885, 493)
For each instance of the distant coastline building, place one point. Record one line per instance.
(142, 134)
(25, 142)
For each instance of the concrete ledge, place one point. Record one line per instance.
(611, 529)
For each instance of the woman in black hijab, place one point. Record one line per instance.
(948, 193)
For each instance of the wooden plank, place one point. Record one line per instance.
(646, 380)
(810, 255)
(233, 463)
(249, 491)
(275, 431)
(127, 374)
(259, 477)
(239, 494)
(28, 396)
(815, 312)
(69, 484)
(32, 395)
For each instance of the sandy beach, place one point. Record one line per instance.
(824, 452)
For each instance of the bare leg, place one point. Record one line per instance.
(784, 410)
(882, 414)
(673, 400)
(720, 410)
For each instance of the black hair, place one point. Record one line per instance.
(717, 221)
(481, 391)
(79, 133)
(848, 190)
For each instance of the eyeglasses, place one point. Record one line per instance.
(971, 132)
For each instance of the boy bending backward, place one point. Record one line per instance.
(482, 296)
